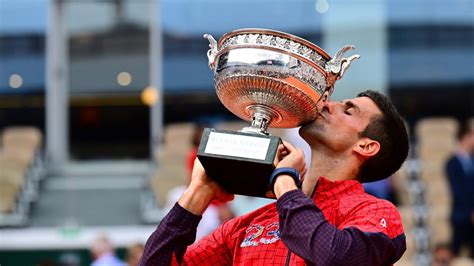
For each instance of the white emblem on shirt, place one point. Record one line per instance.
(383, 223)
(256, 231)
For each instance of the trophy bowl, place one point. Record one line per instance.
(273, 77)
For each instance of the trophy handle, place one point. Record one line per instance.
(211, 53)
(337, 66)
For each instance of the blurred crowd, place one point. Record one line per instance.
(460, 173)
(103, 253)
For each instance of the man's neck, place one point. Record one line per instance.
(463, 148)
(328, 166)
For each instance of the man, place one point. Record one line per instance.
(460, 173)
(330, 221)
(103, 253)
(442, 255)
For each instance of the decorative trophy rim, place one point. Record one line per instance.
(275, 33)
(284, 43)
(312, 63)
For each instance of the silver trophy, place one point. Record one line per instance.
(270, 79)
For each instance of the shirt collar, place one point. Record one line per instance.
(326, 188)
(465, 160)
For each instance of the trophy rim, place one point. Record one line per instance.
(283, 51)
(276, 33)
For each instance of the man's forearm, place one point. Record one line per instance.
(306, 232)
(196, 200)
(284, 184)
(176, 231)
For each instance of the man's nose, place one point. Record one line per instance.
(329, 106)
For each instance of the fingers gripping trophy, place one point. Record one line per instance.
(270, 79)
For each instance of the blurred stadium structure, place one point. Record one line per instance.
(98, 99)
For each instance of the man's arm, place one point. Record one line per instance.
(455, 174)
(175, 233)
(178, 229)
(170, 243)
(306, 232)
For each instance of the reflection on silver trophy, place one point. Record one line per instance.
(270, 79)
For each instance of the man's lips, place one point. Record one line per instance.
(322, 115)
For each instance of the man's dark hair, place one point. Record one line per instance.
(463, 130)
(390, 131)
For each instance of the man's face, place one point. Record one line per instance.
(339, 123)
(471, 141)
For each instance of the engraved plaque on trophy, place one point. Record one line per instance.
(270, 79)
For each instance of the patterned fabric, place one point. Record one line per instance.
(340, 225)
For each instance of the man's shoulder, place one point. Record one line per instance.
(451, 158)
(235, 229)
(372, 214)
(453, 161)
(364, 201)
(262, 214)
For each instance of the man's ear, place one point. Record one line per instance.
(366, 147)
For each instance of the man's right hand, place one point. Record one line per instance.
(201, 191)
(287, 156)
(292, 157)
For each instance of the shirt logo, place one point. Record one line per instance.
(383, 223)
(255, 235)
(255, 231)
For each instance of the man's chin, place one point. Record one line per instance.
(307, 124)
(304, 129)
(310, 130)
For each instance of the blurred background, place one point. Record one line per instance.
(102, 103)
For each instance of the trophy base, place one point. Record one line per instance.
(239, 162)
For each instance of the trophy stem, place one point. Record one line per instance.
(261, 118)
